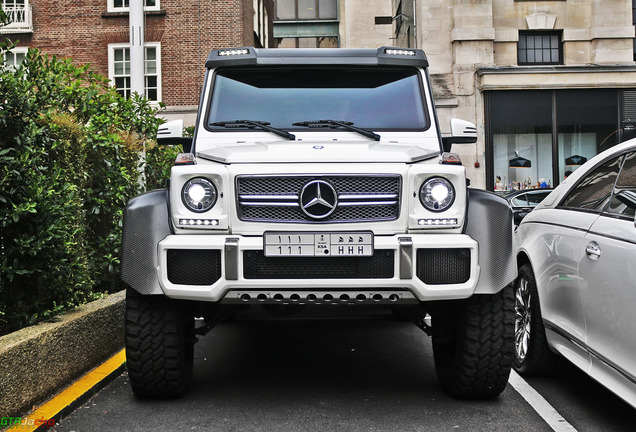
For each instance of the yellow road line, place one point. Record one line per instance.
(53, 408)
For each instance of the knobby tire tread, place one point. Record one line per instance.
(159, 345)
(476, 362)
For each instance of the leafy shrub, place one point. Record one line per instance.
(70, 149)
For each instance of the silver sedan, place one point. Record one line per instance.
(576, 289)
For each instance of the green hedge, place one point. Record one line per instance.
(70, 151)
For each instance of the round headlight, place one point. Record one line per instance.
(437, 194)
(199, 194)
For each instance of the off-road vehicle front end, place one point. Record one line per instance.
(318, 178)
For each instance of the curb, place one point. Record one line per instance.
(73, 397)
(39, 361)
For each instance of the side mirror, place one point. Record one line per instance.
(171, 133)
(462, 132)
(629, 199)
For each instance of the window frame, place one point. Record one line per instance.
(296, 13)
(112, 8)
(615, 158)
(526, 50)
(232, 72)
(628, 162)
(111, 66)
(14, 51)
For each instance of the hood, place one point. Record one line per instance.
(315, 151)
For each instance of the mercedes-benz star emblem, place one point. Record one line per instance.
(318, 199)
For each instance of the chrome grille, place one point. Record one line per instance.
(360, 198)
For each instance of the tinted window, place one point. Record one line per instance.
(520, 201)
(594, 191)
(375, 98)
(624, 197)
(535, 198)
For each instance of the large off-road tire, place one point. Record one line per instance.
(159, 345)
(473, 344)
(532, 354)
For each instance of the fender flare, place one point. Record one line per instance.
(490, 223)
(146, 223)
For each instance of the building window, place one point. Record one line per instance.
(19, 16)
(553, 133)
(540, 48)
(119, 69)
(124, 5)
(308, 42)
(306, 9)
(8, 6)
(14, 58)
(387, 20)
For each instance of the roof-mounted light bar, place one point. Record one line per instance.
(234, 52)
(249, 56)
(400, 52)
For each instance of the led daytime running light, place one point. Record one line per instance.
(198, 222)
(437, 222)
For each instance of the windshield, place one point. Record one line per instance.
(372, 98)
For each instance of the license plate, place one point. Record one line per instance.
(324, 244)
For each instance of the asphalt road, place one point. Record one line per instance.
(365, 373)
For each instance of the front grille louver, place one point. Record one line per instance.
(360, 198)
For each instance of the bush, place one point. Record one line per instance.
(70, 149)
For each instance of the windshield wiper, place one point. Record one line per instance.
(334, 124)
(251, 124)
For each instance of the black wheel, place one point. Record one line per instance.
(473, 345)
(159, 345)
(532, 354)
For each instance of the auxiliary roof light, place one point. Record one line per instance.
(233, 52)
(400, 52)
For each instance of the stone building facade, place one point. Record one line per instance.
(178, 37)
(333, 23)
(547, 80)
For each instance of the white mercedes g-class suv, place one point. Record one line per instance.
(317, 178)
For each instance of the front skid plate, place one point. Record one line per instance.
(320, 297)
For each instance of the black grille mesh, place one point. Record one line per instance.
(344, 185)
(443, 266)
(379, 266)
(286, 185)
(294, 214)
(194, 266)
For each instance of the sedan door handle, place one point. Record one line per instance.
(593, 251)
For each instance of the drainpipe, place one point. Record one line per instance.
(414, 24)
(137, 37)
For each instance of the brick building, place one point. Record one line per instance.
(178, 37)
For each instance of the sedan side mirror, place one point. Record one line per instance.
(462, 132)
